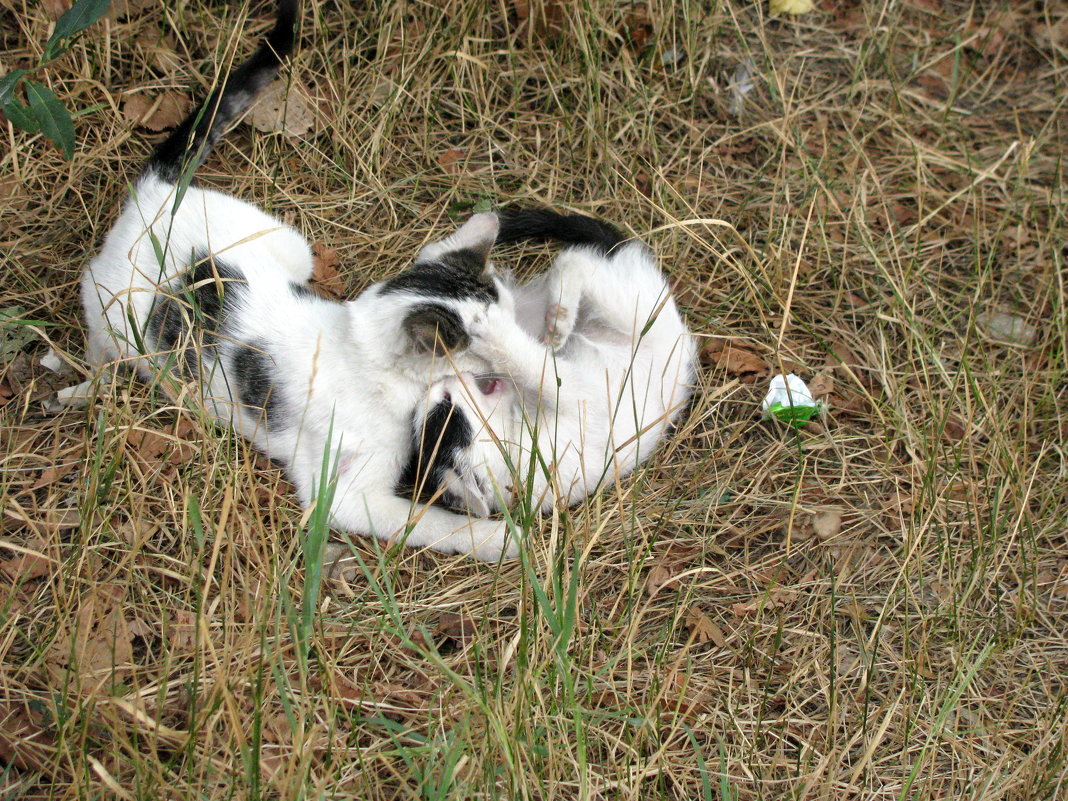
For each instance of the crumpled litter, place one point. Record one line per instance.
(790, 400)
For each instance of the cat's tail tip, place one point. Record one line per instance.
(191, 142)
(541, 224)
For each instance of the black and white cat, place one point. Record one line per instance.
(594, 364)
(199, 285)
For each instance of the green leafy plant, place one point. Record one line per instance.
(43, 112)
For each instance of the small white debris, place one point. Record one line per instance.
(672, 57)
(75, 397)
(51, 361)
(1004, 327)
(741, 85)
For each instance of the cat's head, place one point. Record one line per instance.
(459, 437)
(450, 282)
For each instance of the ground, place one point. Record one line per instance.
(872, 607)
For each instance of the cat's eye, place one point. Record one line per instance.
(488, 384)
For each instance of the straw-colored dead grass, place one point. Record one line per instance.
(874, 608)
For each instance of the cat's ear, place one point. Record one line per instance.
(476, 237)
(434, 330)
(464, 488)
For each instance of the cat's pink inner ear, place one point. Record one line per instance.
(478, 233)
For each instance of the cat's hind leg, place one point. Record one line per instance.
(627, 293)
(573, 269)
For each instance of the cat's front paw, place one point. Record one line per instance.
(486, 330)
(493, 540)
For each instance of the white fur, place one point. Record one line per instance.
(349, 381)
(590, 411)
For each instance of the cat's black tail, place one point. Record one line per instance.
(544, 225)
(185, 149)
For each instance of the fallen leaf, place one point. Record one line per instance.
(544, 17)
(96, 643)
(639, 26)
(282, 108)
(124, 9)
(13, 195)
(822, 384)
(29, 565)
(660, 578)
(55, 9)
(735, 361)
(854, 610)
(52, 474)
(24, 743)
(156, 447)
(703, 629)
(458, 628)
(827, 524)
(180, 631)
(158, 50)
(325, 278)
(450, 160)
(158, 114)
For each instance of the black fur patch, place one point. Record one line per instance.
(444, 434)
(189, 314)
(544, 225)
(458, 275)
(253, 370)
(433, 328)
(303, 291)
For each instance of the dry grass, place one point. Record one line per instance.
(896, 173)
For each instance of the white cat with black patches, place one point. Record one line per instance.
(594, 365)
(209, 288)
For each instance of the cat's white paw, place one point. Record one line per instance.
(559, 323)
(492, 541)
(485, 330)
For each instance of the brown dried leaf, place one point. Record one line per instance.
(28, 566)
(660, 578)
(157, 447)
(159, 114)
(736, 361)
(55, 9)
(854, 610)
(459, 628)
(545, 17)
(96, 642)
(639, 26)
(158, 50)
(282, 108)
(13, 195)
(52, 474)
(325, 278)
(124, 9)
(180, 631)
(23, 741)
(703, 629)
(451, 160)
(822, 384)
